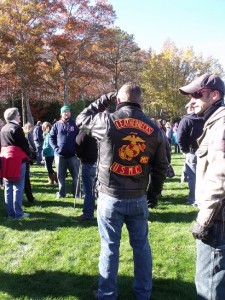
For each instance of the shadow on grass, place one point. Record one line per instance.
(173, 289)
(168, 200)
(53, 203)
(171, 217)
(60, 285)
(48, 221)
(186, 215)
(174, 179)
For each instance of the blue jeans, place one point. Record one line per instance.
(62, 164)
(88, 176)
(190, 165)
(38, 146)
(112, 213)
(14, 195)
(210, 265)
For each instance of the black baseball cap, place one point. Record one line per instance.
(210, 81)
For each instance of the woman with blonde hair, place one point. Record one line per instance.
(48, 154)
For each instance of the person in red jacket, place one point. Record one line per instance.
(1, 125)
(14, 153)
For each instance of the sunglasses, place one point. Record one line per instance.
(199, 94)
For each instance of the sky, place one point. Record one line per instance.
(188, 23)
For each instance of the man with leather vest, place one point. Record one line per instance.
(131, 150)
(207, 93)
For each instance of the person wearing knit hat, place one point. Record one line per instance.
(64, 108)
(62, 138)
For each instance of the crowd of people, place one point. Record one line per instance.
(124, 157)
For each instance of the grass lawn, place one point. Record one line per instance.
(52, 256)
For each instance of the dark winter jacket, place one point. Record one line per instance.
(189, 130)
(87, 149)
(12, 135)
(131, 147)
(63, 138)
(38, 134)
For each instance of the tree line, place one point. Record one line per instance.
(70, 52)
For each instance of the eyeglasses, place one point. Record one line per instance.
(199, 94)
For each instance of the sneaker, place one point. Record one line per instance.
(58, 196)
(184, 179)
(192, 204)
(24, 216)
(83, 218)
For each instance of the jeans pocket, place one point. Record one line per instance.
(216, 237)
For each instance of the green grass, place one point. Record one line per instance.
(51, 256)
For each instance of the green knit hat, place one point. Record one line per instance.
(65, 107)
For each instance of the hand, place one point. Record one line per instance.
(200, 232)
(106, 100)
(152, 199)
(112, 96)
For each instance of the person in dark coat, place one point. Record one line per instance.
(189, 129)
(131, 149)
(28, 127)
(87, 151)
(62, 139)
(15, 152)
(38, 141)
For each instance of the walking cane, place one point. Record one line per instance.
(77, 185)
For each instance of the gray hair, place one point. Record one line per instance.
(10, 114)
(130, 92)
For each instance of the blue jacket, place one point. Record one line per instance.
(63, 138)
(38, 134)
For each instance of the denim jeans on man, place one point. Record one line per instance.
(88, 176)
(190, 166)
(112, 213)
(39, 146)
(14, 195)
(62, 164)
(210, 265)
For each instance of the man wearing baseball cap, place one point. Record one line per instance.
(207, 93)
(63, 141)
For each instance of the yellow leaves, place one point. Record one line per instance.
(5, 68)
(188, 55)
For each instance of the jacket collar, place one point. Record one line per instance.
(211, 109)
(120, 105)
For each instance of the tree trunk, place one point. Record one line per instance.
(26, 101)
(66, 91)
(23, 111)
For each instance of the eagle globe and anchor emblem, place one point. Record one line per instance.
(132, 150)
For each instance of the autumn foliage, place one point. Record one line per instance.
(66, 51)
